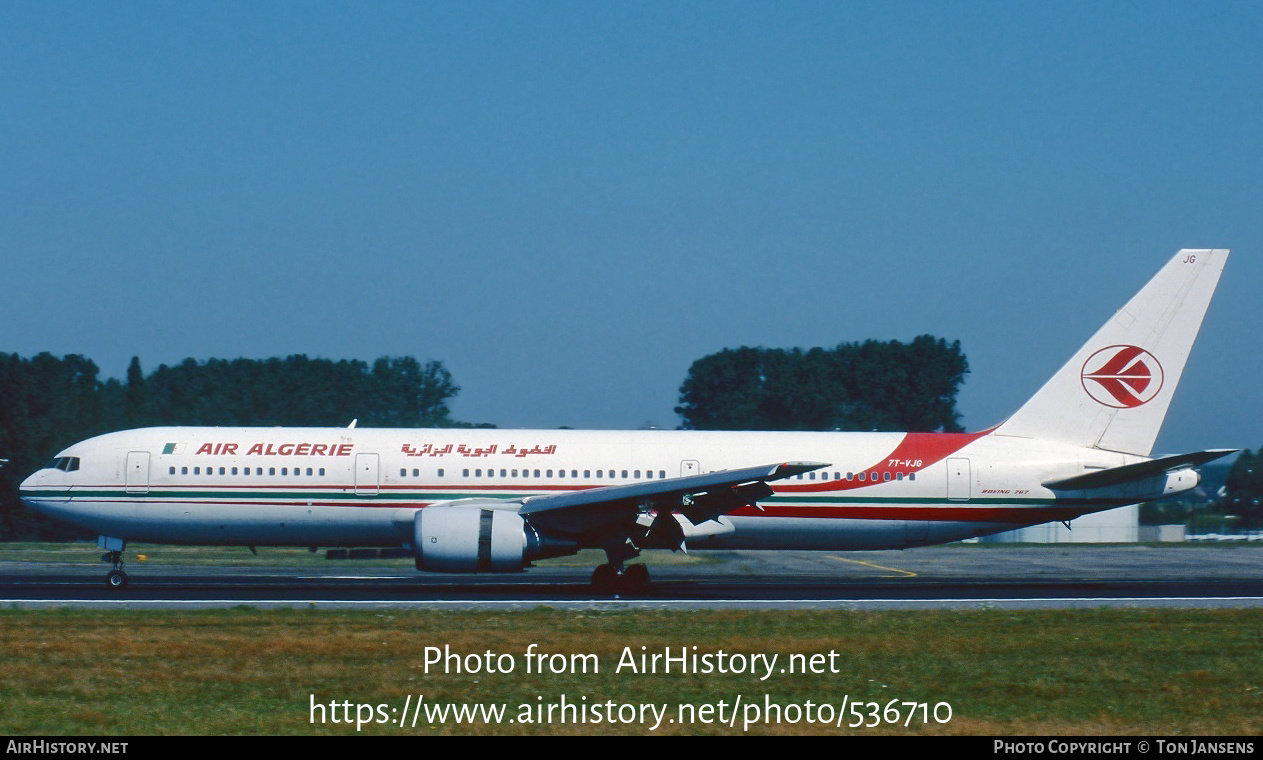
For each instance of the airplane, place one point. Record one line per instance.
(493, 500)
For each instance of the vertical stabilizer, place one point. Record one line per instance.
(1116, 390)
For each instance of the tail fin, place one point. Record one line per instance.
(1115, 392)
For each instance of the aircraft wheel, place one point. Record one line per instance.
(605, 579)
(117, 579)
(636, 579)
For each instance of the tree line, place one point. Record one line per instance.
(1243, 491)
(874, 385)
(49, 402)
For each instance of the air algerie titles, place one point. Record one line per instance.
(283, 450)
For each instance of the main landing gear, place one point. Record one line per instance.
(609, 579)
(116, 579)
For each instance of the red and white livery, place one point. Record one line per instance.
(494, 500)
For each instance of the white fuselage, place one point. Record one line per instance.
(363, 487)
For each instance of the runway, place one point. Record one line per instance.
(952, 577)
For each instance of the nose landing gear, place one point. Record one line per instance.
(116, 579)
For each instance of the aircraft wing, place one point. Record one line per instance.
(1127, 473)
(697, 497)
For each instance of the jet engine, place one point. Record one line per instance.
(476, 539)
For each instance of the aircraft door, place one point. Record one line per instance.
(689, 467)
(366, 475)
(958, 479)
(137, 477)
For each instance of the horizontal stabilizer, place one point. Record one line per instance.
(1129, 473)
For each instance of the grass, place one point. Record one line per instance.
(246, 671)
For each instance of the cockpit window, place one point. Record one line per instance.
(65, 464)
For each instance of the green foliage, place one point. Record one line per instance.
(244, 671)
(45, 404)
(1167, 512)
(296, 390)
(855, 386)
(1244, 488)
(48, 403)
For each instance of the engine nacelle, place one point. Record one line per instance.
(469, 539)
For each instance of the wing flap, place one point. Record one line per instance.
(698, 497)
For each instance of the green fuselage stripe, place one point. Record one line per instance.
(428, 496)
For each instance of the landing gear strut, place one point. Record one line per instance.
(608, 579)
(116, 578)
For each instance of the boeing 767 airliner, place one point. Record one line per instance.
(495, 500)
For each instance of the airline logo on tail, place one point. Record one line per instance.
(1123, 377)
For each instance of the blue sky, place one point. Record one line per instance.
(568, 203)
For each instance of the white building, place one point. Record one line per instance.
(1113, 526)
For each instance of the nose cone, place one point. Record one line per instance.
(26, 486)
